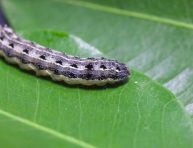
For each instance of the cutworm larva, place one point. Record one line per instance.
(59, 66)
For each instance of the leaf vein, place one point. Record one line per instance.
(133, 14)
(47, 130)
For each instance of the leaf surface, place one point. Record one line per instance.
(155, 38)
(140, 113)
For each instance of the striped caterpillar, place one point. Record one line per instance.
(59, 66)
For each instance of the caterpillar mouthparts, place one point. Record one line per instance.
(59, 66)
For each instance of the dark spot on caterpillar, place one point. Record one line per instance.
(102, 77)
(11, 45)
(59, 62)
(88, 76)
(103, 67)
(113, 64)
(114, 77)
(40, 66)
(26, 51)
(89, 66)
(24, 61)
(117, 68)
(74, 65)
(56, 71)
(71, 75)
(90, 58)
(1, 38)
(75, 57)
(9, 53)
(43, 57)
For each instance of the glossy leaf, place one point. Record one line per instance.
(140, 113)
(155, 38)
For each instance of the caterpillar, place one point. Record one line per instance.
(57, 65)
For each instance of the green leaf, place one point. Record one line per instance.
(141, 113)
(155, 38)
(40, 113)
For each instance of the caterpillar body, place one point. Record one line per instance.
(59, 66)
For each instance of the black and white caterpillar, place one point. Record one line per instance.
(59, 66)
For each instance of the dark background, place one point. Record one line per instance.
(3, 20)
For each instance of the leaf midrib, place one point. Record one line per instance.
(47, 130)
(133, 14)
